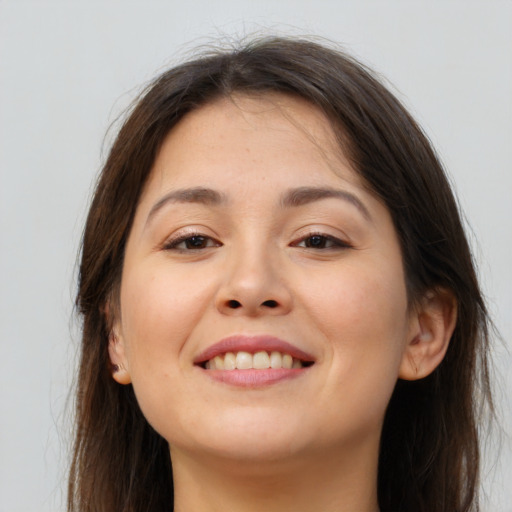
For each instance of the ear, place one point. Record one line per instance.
(431, 327)
(116, 351)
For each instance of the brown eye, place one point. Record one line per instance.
(316, 242)
(191, 242)
(196, 242)
(320, 242)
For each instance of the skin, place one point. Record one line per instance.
(309, 443)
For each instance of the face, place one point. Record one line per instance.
(256, 244)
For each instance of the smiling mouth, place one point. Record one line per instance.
(261, 360)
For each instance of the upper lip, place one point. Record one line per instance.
(252, 344)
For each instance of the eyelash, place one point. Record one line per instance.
(187, 238)
(335, 243)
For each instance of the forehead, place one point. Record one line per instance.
(256, 137)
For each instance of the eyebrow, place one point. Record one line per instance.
(199, 195)
(291, 199)
(305, 195)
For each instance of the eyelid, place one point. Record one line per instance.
(339, 242)
(181, 236)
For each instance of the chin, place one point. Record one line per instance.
(251, 438)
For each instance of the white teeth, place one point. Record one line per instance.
(296, 364)
(244, 360)
(219, 362)
(260, 361)
(276, 360)
(229, 361)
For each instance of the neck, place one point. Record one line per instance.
(328, 483)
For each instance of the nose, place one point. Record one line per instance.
(254, 285)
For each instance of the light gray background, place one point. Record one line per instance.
(67, 70)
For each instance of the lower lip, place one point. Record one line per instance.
(254, 378)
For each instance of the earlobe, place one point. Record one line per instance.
(120, 372)
(116, 352)
(431, 327)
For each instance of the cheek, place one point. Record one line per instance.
(362, 302)
(159, 309)
(363, 317)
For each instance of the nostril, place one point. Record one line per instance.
(270, 304)
(233, 304)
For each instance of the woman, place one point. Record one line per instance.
(277, 291)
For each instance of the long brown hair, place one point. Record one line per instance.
(429, 457)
